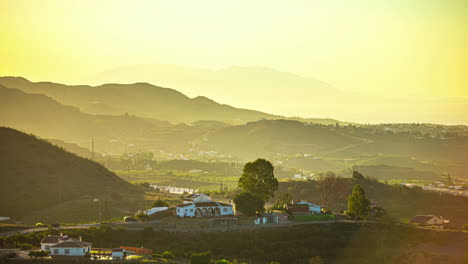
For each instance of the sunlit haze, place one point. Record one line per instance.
(410, 54)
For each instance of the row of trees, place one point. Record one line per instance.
(259, 184)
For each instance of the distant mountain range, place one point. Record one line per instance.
(143, 100)
(290, 94)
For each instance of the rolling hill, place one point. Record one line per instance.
(37, 176)
(271, 90)
(266, 138)
(42, 116)
(141, 99)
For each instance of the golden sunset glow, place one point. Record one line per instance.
(380, 48)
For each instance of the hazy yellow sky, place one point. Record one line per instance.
(416, 47)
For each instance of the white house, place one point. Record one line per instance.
(197, 198)
(202, 206)
(430, 220)
(156, 210)
(304, 207)
(49, 241)
(65, 246)
(118, 254)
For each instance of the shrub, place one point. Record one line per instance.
(142, 216)
(38, 254)
(167, 255)
(26, 246)
(222, 261)
(200, 258)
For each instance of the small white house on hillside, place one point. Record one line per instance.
(118, 254)
(200, 205)
(156, 210)
(65, 246)
(304, 207)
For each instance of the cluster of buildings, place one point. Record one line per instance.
(65, 246)
(199, 205)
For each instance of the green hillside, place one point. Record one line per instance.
(399, 201)
(36, 175)
(268, 137)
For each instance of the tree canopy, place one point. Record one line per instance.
(258, 178)
(358, 204)
(249, 203)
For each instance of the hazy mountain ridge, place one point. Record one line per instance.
(141, 99)
(46, 118)
(144, 100)
(286, 93)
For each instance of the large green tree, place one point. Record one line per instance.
(358, 204)
(258, 178)
(249, 203)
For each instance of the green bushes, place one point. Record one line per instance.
(167, 255)
(200, 258)
(26, 246)
(38, 254)
(222, 261)
(142, 216)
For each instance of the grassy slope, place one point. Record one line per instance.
(38, 176)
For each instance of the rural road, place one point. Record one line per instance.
(141, 226)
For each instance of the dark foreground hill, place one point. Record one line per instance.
(333, 243)
(37, 176)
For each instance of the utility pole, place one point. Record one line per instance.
(106, 212)
(59, 181)
(92, 148)
(100, 211)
